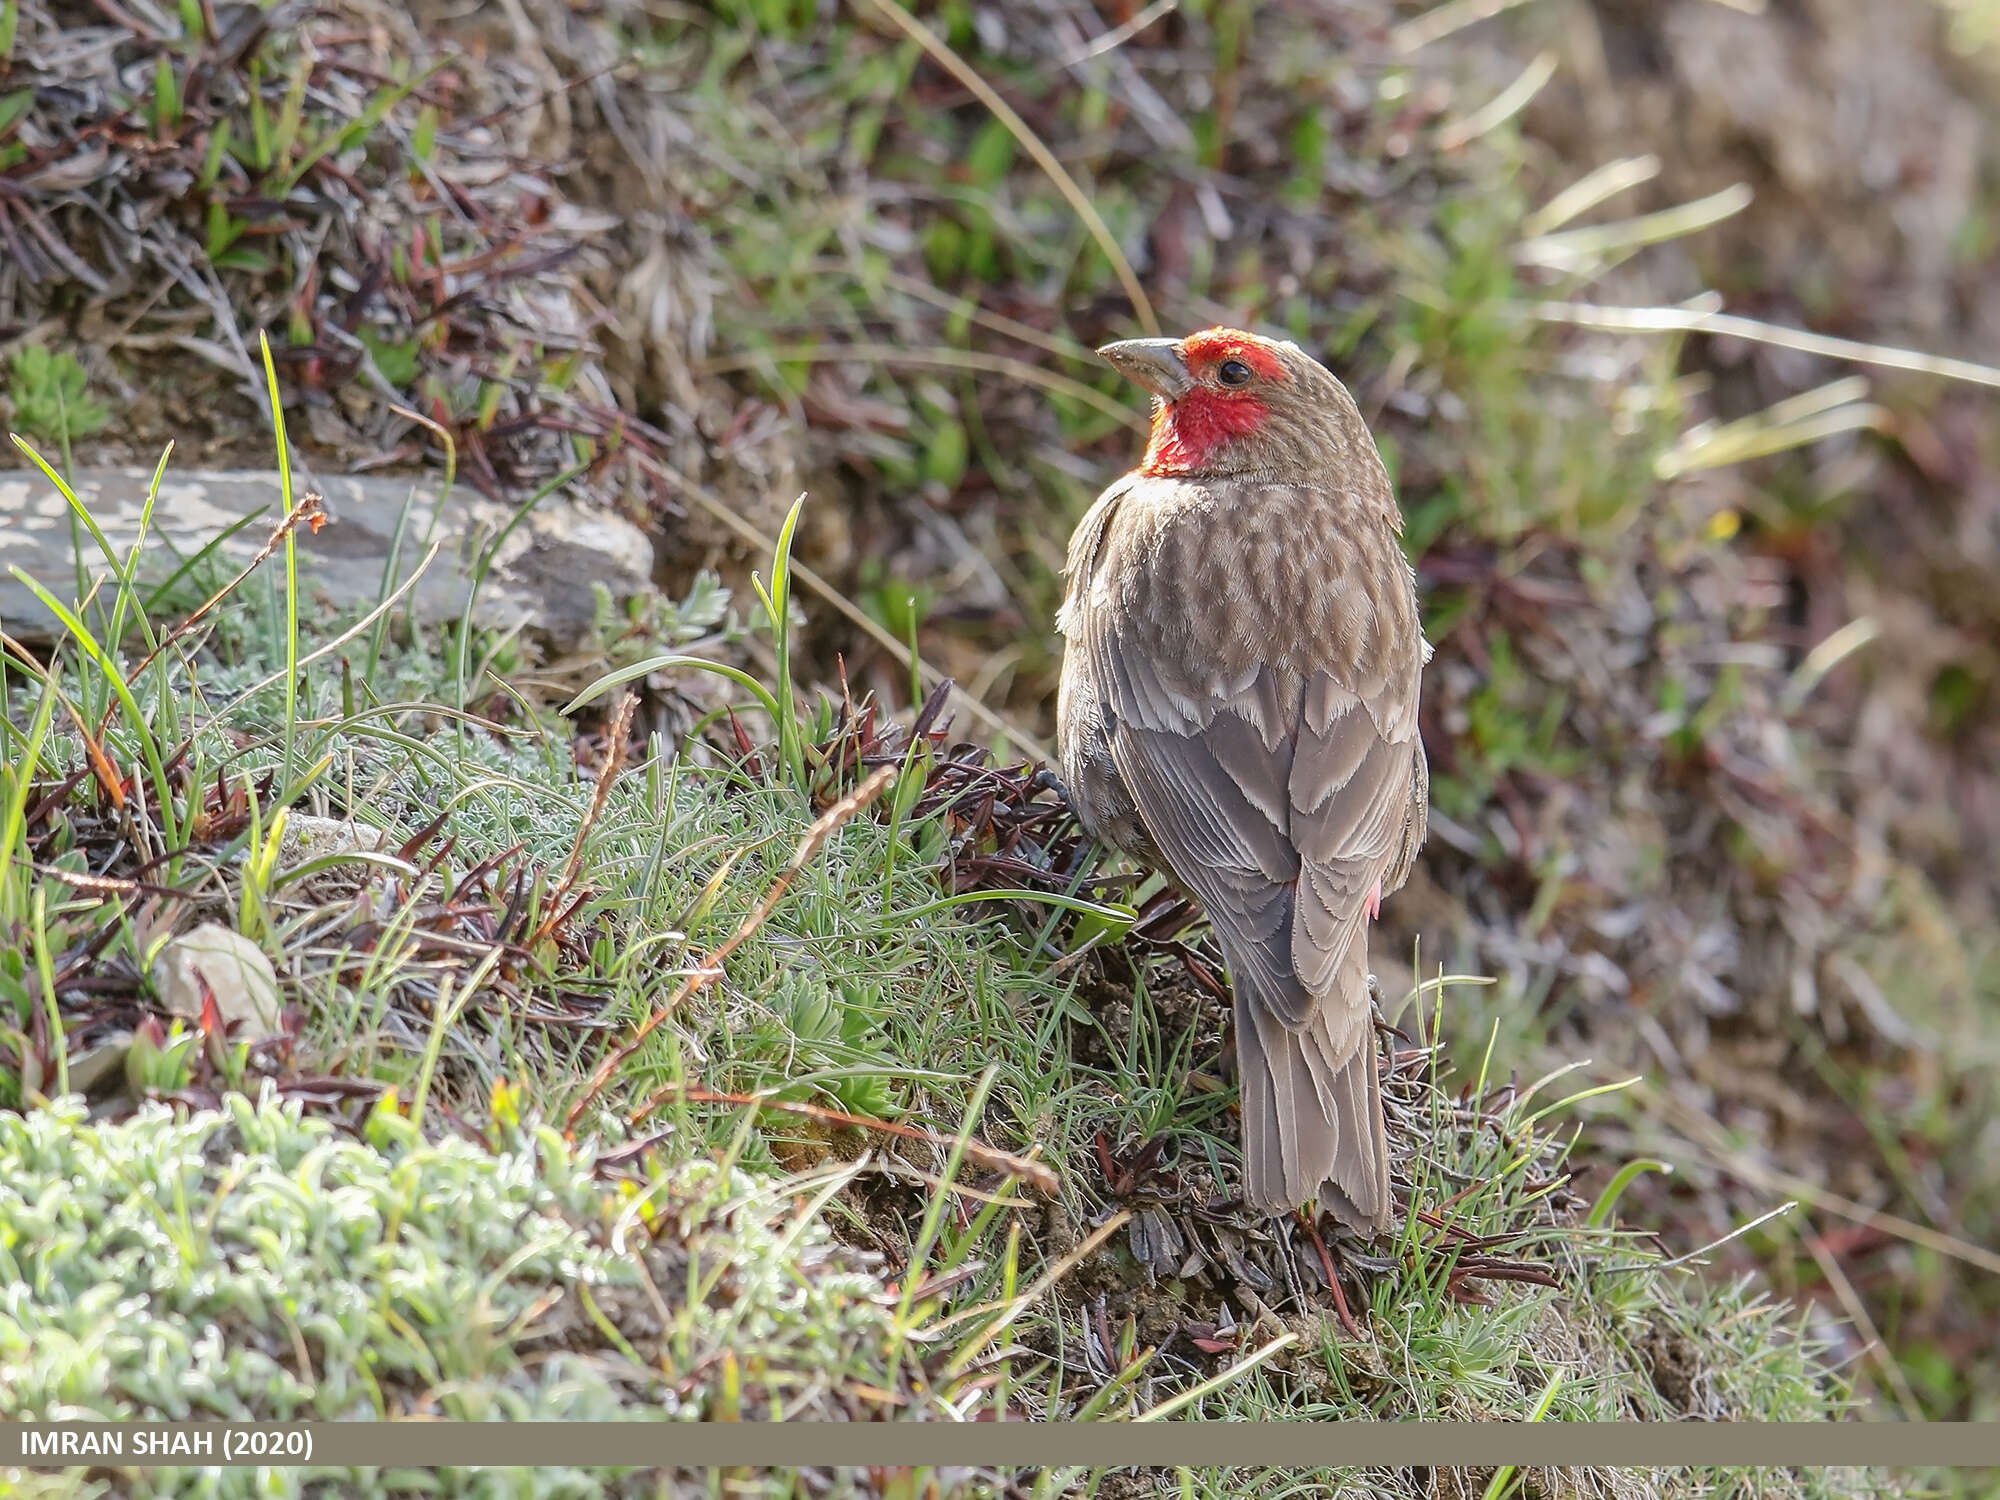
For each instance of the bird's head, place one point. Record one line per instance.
(1230, 402)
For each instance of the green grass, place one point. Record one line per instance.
(482, 972)
(468, 982)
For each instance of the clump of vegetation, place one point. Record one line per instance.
(610, 249)
(821, 1004)
(325, 182)
(50, 394)
(255, 1264)
(1643, 719)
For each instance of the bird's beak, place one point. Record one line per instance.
(1156, 364)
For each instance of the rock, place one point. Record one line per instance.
(541, 576)
(308, 838)
(237, 973)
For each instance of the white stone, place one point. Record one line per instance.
(239, 975)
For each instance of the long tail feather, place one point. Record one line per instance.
(1312, 1106)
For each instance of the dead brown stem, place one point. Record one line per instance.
(1034, 1173)
(614, 761)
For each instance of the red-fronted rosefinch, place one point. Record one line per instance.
(1239, 710)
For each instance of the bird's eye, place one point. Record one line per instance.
(1233, 372)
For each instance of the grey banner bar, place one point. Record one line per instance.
(986, 1444)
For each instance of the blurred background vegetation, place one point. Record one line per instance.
(1715, 715)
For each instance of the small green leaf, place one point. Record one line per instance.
(991, 155)
(14, 107)
(944, 249)
(260, 119)
(211, 164)
(423, 140)
(1607, 1201)
(395, 358)
(51, 395)
(945, 456)
(166, 98)
(256, 262)
(291, 117)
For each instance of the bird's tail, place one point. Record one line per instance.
(1312, 1104)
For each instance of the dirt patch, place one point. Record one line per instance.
(1674, 1364)
(165, 399)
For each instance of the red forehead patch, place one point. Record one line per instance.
(1209, 348)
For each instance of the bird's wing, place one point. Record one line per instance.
(1260, 713)
(1350, 793)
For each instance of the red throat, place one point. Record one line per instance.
(1188, 433)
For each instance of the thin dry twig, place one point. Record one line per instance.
(1508, 103)
(1027, 1299)
(1235, 1372)
(309, 511)
(614, 761)
(1034, 1173)
(961, 306)
(942, 358)
(1704, 1137)
(1578, 250)
(829, 823)
(1589, 190)
(952, 63)
(1857, 1312)
(1118, 36)
(1699, 320)
(1436, 24)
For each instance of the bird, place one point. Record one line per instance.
(1242, 665)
